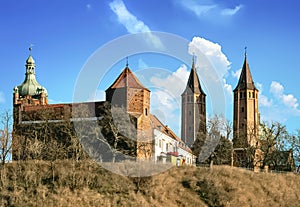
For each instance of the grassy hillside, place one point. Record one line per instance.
(66, 183)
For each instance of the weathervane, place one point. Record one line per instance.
(246, 51)
(30, 48)
(127, 61)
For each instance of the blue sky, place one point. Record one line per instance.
(66, 33)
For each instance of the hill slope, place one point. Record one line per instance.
(67, 183)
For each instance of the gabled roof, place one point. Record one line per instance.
(193, 84)
(245, 81)
(157, 124)
(127, 79)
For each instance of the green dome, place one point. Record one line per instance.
(30, 86)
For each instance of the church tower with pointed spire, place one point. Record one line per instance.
(193, 110)
(246, 114)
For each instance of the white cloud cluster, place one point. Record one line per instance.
(2, 97)
(174, 83)
(204, 8)
(228, 90)
(276, 89)
(132, 24)
(213, 52)
(263, 100)
(211, 59)
(166, 96)
(288, 100)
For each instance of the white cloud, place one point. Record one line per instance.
(290, 101)
(262, 99)
(230, 12)
(166, 96)
(276, 88)
(2, 97)
(132, 24)
(205, 8)
(198, 9)
(236, 74)
(174, 83)
(280, 107)
(213, 52)
(228, 90)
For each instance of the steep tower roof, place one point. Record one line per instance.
(245, 81)
(127, 79)
(193, 84)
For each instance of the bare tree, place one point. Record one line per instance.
(5, 137)
(274, 139)
(214, 146)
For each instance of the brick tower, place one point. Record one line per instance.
(128, 92)
(193, 110)
(245, 117)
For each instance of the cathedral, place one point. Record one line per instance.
(162, 144)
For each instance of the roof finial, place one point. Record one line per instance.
(127, 62)
(193, 60)
(245, 51)
(30, 48)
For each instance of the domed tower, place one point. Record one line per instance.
(30, 92)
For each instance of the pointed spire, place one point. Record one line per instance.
(193, 84)
(245, 80)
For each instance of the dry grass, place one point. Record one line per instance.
(65, 183)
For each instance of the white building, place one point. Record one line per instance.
(168, 147)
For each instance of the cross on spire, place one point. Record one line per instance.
(246, 51)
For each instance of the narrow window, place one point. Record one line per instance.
(146, 111)
(241, 94)
(243, 109)
(253, 95)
